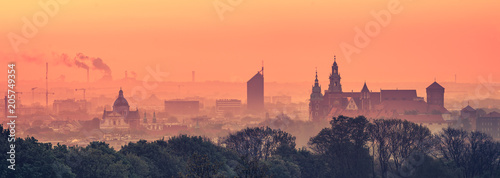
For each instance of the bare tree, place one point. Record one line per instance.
(473, 153)
(259, 142)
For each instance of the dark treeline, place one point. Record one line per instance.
(349, 147)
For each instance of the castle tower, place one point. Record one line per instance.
(315, 110)
(365, 98)
(469, 118)
(335, 85)
(435, 94)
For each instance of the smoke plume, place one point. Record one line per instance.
(100, 65)
(83, 61)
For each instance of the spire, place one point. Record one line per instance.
(365, 88)
(316, 89)
(316, 81)
(335, 60)
(120, 93)
(154, 117)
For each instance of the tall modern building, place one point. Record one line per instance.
(255, 93)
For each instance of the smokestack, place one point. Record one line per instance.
(47, 85)
(88, 76)
(193, 75)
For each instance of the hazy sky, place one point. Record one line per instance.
(422, 40)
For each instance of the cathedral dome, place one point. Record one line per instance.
(120, 101)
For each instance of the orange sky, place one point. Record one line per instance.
(426, 39)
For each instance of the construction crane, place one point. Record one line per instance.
(33, 93)
(83, 89)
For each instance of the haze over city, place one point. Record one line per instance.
(250, 88)
(444, 39)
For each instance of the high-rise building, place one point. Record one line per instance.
(255, 93)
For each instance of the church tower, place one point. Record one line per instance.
(315, 110)
(335, 85)
(365, 98)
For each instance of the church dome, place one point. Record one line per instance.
(120, 101)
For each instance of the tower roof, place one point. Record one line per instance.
(365, 88)
(468, 109)
(435, 85)
(120, 101)
(257, 76)
(316, 80)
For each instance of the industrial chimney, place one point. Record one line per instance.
(193, 75)
(88, 76)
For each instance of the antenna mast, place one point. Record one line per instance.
(262, 68)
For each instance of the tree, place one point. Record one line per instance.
(279, 168)
(344, 146)
(161, 162)
(398, 140)
(378, 132)
(259, 142)
(97, 160)
(200, 166)
(473, 153)
(252, 168)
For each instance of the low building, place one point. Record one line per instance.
(224, 106)
(489, 124)
(283, 99)
(70, 105)
(182, 107)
